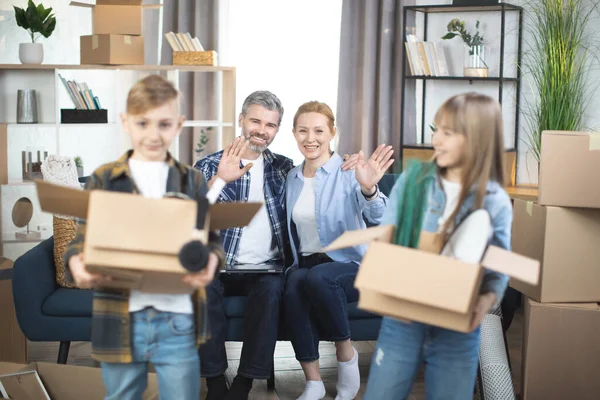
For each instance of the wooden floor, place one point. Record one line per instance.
(289, 379)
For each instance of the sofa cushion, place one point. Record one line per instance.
(66, 302)
(64, 231)
(235, 306)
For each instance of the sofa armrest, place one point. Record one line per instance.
(34, 279)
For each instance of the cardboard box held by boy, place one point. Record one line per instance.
(136, 240)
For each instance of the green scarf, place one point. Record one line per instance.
(412, 202)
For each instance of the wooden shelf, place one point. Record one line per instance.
(206, 124)
(183, 68)
(523, 192)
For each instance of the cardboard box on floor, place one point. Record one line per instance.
(120, 17)
(136, 240)
(569, 163)
(421, 285)
(59, 382)
(561, 351)
(566, 241)
(111, 50)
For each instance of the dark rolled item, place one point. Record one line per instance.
(194, 256)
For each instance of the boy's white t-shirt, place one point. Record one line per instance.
(452, 191)
(256, 241)
(305, 217)
(150, 178)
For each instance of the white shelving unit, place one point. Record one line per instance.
(96, 144)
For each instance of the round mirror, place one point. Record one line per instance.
(22, 212)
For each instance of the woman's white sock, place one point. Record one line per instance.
(348, 383)
(314, 390)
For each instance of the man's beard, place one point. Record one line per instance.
(256, 148)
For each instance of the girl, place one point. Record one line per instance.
(322, 202)
(467, 175)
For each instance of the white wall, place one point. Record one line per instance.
(439, 91)
(290, 48)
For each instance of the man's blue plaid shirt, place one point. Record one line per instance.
(276, 170)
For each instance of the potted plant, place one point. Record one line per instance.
(79, 164)
(556, 66)
(36, 20)
(475, 64)
(202, 141)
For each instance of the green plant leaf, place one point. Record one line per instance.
(48, 27)
(20, 17)
(449, 35)
(46, 13)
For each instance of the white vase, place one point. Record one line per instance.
(31, 53)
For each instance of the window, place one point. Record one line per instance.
(290, 48)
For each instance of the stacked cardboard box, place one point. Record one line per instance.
(562, 230)
(116, 32)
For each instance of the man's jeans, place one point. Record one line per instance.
(316, 302)
(450, 357)
(261, 323)
(167, 340)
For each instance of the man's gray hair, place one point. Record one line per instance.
(264, 99)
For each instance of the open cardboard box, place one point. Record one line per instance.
(421, 285)
(136, 240)
(45, 381)
(121, 17)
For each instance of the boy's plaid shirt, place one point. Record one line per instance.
(276, 170)
(111, 327)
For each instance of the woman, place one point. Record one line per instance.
(323, 201)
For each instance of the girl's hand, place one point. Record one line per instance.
(203, 278)
(482, 307)
(369, 172)
(82, 278)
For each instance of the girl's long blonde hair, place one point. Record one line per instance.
(479, 118)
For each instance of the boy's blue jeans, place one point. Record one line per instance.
(167, 340)
(450, 357)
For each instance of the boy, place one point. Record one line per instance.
(131, 328)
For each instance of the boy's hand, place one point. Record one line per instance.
(203, 278)
(482, 307)
(229, 167)
(84, 279)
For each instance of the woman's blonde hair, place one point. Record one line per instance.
(151, 92)
(479, 118)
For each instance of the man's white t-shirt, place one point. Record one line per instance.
(305, 218)
(257, 238)
(150, 177)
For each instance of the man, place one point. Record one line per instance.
(264, 240)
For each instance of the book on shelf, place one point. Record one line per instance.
(183, 42)
(425, 58)
(82, 96)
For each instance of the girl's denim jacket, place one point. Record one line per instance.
(496, 203)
